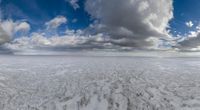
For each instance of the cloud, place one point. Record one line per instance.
(4, 37)
(11, 27)
(189, 24)
(126, 25)
(23, 26)
(130, 23)
(74, 3)
(8, 28)
(71, 40)
(190, 42)
(56, 22)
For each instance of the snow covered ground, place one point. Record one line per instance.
(99, 83)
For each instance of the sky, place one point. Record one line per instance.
(63, 25)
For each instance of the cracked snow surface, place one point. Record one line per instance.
(99, 83)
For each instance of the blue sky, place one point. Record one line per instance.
(37, 12)
(184, 11)
(100, 24)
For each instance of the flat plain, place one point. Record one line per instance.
(99, 83)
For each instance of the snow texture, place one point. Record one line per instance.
(99, 83)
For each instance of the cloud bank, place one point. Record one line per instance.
(75, 41)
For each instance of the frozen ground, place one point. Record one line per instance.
(99, 83)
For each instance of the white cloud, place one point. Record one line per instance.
(11, 27)
(8, 28)
(189, 24)
(74, 3)
(56, 22)
(131, 22)
(23, 26)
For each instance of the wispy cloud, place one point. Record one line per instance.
(74, 3)
(56, 22)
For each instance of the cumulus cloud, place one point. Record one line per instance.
(8, 28)
(23, 26)
(130, 23)
(11, 27)
(56, 22)
(74, 3)
(189, 24)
